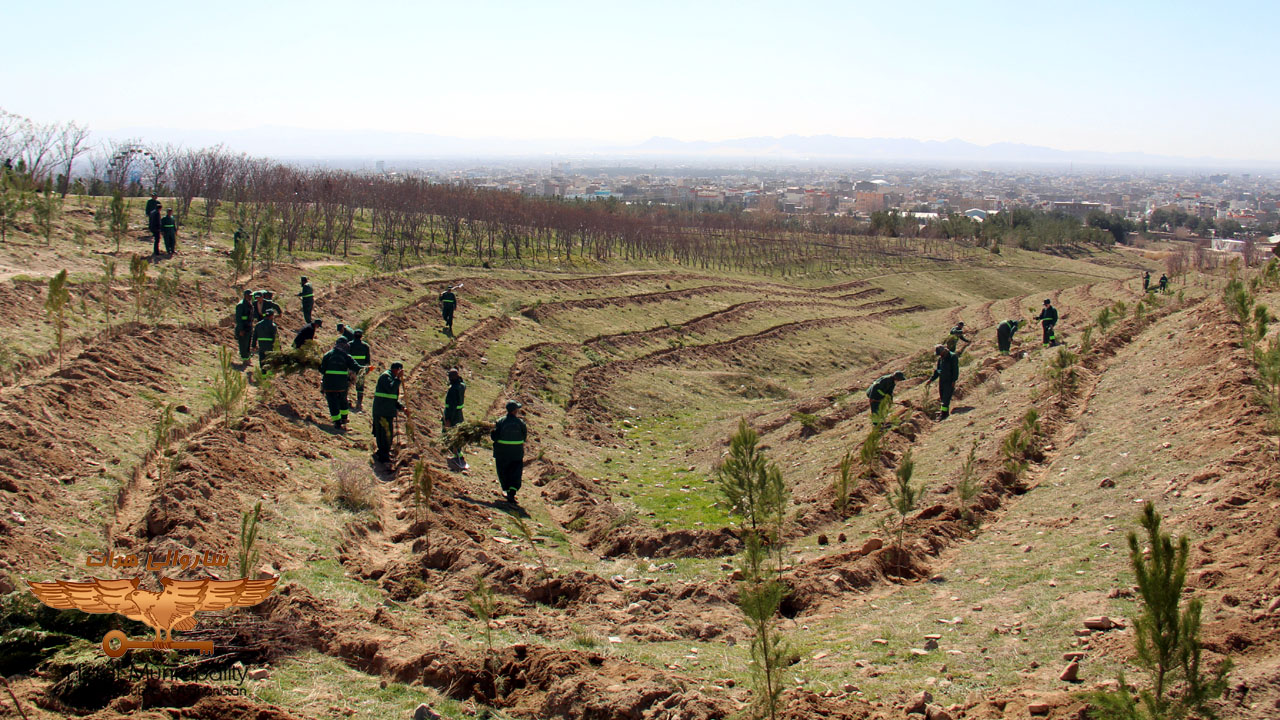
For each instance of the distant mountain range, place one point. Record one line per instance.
(299, 143)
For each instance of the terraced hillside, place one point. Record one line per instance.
(614, 589)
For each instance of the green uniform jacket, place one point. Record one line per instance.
(1049, 314)
(152, 205)
(244, 315)
(958, 332)
(347, 333)
(453, 401)
(169, 225)
(882, 387)
(508, 438)
(386, 396)
(1010, 326)
(264, 334)
(307, 293)
(948, 367)
(360, 352)
(336, 367)
(270, 304)
(448, 300)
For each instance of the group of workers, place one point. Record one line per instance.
(1146, 282)
(159, 226)
(947, 367)
(349, 361)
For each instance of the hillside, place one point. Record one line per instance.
(614, 589)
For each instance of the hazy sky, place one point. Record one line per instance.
(1161, 76)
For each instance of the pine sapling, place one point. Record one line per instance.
(903, 497)
(55, 305)
(967, 487)
(1166, 637)
(248, 554)
(845, 483)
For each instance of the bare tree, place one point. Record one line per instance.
(39, 143)
(72, 143)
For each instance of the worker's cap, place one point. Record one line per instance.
(317, 322)
(304, 278)
(453, 372)
(397, 366)
(1047, 301)
(960, 324)
(512, 405)
(256, 293)
(268, 293)
(269, 312)
(358, 332)
(248, 291)
(899, 375)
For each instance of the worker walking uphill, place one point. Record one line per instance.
(386, 404)
(336, 369)
(453, 402)
(308, 299)
(1048, 318)
(946, 372)
(264, 337)
(448, 302)
(1004, 334)
(508, 437)
(244, 326)
(307, 333)
(361, 354)
(169, 229)
(882, 390)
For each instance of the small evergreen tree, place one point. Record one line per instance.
(138, 266)
(119, 218)
(1166, 636)
(903, 496)
(56, 306)
(248, 555)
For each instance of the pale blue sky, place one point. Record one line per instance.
(1175, 78)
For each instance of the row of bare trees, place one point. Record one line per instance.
(39, 150)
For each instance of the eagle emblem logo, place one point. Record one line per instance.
(173, 609)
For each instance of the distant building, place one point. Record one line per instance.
(869, 202)
(1075, 208)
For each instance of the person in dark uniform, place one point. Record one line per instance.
(152, 205)
(361, 353)
(453, 402)
(244, 326)
(336, 368)
(308, 299)
(1146, 281)
(153, 225)
(169, 229)
(508, 436)
(881, 390)
(268, 303)
(1048, 318)
(1004, 334)
(386, 404)
(1164, 284)
(264, 337)
(448, 302)
(946, 372)
(307, 333)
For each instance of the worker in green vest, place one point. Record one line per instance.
(882, 390)
(336, 369)
(361, 353)
(1004, 334)
(264, 337)
(453, 402)
(308, 299)
(386, 404)
(169, 229)
(508, 436)
(244, 326)
(946, 372)
(448, 303)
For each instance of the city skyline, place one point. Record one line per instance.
(1166, 79)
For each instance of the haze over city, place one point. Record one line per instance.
(1136, 83)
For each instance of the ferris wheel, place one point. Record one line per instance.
(134, 163)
